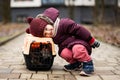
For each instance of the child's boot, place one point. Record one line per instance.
(87, 68)
(74, 66)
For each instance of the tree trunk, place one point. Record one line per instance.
(5, 7)
(98, 11)
(71, 9)
(101, 20)
(116, 12)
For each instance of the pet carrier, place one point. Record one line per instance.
(40, 56)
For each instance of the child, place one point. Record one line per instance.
(74, 41)
(33, 35)
(38, 51)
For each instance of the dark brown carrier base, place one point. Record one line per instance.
(40, 56)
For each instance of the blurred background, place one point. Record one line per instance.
(99, 16)
(82, 11)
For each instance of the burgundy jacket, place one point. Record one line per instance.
(69, 33)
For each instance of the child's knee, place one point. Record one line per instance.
(79, 49)
(80, 53)
(66, 54)
(78, 46)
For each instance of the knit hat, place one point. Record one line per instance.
(50, 15)
(36, 26)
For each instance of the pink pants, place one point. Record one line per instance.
(78, 53)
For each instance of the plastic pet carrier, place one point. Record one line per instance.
(40, 56)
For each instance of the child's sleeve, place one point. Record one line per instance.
(70, 27)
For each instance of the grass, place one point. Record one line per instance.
(10, 30)
(106, 33)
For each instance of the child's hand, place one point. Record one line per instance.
(96, 44)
